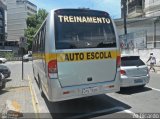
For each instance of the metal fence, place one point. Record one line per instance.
(14, 59)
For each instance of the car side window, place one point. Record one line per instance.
(30, 55)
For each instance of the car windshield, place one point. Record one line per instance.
(131, 61)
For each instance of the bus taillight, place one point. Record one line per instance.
(52, 69)
(118, 61)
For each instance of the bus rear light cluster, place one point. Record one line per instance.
(118, 61)
(52, 69)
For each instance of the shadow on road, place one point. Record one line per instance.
(133, 90)
(85, 107)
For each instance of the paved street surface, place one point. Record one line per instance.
(124, 104)
(17, 90)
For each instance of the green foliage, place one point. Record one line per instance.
(29, 33)
(9, 55)
(42, 14)
(32, 21)
(33, 24)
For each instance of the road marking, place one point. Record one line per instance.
(34, 99)
(105, 111)
(153, 88)
(134, 115)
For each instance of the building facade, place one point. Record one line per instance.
(152, 8)
(141, 8)
(17, 13)
(3, 8)
(134, 8)
(143, 24)
(142, 32)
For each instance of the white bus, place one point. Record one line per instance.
(76, 54)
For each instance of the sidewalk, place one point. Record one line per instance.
(17, 99)
(157, 68)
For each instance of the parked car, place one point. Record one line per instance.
(27, 57)
(5, 71)
(134, 72)
(3, 60)
(2, 81)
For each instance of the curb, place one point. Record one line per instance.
(11, 110)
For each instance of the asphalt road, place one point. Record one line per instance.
(125, 104)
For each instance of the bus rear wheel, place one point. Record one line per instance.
(40, 87)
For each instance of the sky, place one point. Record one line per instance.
(110, 6)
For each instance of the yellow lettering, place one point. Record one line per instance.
(66, 19)
(84, 20)
(75, 19)
(89, 20)
(108, 21)
(79, 19)
(94, 20)
(99, 20)
(60, 17)
(103, 20)
(71, 19)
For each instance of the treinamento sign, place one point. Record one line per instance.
(83, 19)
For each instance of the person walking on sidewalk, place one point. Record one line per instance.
(152, 60)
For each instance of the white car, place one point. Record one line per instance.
(3, 60)
(27, 57)
(2, 81)
(134, 72)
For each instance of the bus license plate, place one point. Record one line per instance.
(90, 90)
(138, 81)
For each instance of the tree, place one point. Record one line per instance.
(33, 24)
(29, 33)
(32, 21)
(42, 14)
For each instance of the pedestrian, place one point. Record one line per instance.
(152, 60)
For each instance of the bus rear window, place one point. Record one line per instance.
(78, 30)
(131, 61)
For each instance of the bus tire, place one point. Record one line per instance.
(40, 87)
(42, 93)
(34, 73)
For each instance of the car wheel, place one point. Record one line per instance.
(40, 87)
(1, 61)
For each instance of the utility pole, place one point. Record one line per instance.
(124, 2)
(22, 45)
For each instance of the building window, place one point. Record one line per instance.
(30, 9)
(1, 16)
(29, 14)
(1, 30)
(1, 23)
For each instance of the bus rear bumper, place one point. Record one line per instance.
(73, 92)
